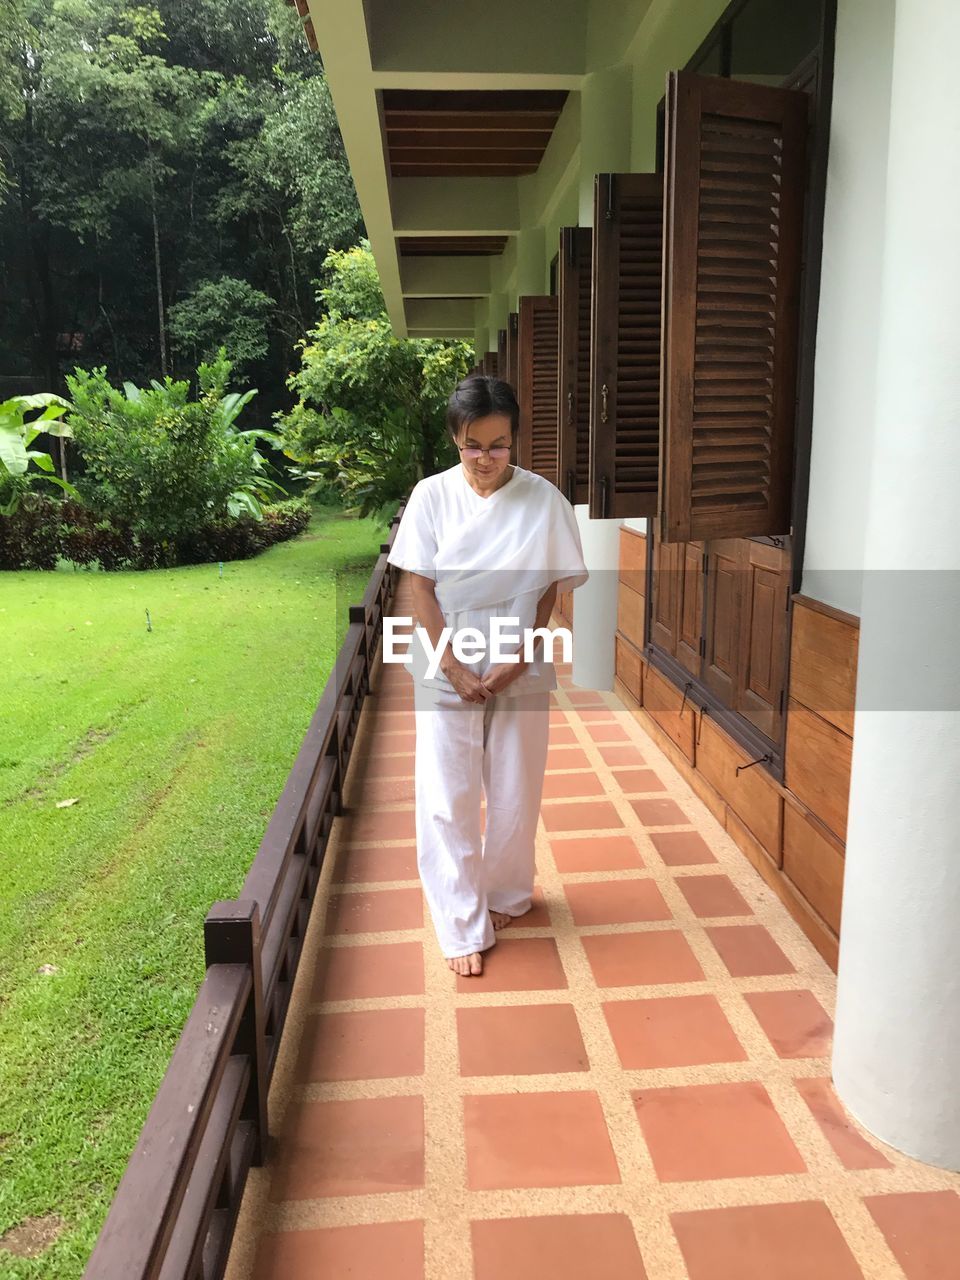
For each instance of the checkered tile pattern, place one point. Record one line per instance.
(637, 1087)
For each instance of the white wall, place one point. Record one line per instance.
(847, 333)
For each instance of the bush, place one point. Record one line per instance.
(30, 537)
(163, 465)
(42, 531)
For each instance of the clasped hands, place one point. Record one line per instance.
(474, 688)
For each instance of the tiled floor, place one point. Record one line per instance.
(637, 1087)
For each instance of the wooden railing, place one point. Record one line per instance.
(176, 1207)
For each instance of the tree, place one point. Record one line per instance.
(370, 408)
(222, 313)
(152, 147)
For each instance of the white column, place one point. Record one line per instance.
(595, 603)
(605, 113)
(897, 1051)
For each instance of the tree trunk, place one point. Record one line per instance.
(156, 260)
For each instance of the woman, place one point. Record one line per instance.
(482, 540)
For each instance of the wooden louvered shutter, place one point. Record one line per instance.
(625, 345)
(539, 352)
(513, 335)
(734, 186)
(574, 404)
(502, 353)
(490, 364)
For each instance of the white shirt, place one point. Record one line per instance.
(490, 557)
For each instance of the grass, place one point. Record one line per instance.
(175, 744)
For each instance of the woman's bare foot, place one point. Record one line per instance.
(500, 919)
(466, 966)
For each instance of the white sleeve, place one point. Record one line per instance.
(567, 565)
(415, 544)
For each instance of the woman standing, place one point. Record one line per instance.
(482, 540)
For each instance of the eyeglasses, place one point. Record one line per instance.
(500, 451)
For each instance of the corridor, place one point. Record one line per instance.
(637, 1086)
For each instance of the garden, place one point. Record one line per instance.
(206, 425)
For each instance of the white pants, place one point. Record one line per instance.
(501, 746)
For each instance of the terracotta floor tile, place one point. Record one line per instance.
(794, 1022)
(626, 754)
(562, 735)
(518, 1040)
(852, 1149)
(363, 1146)
(596, 853)
(659, 813)
(596, 715)
(616, 902)
(641, 959)
(375, 911)
(383, 792)
(712, 896)
(537, 1140)
(922, 1228)
(368, 1044)
(396, 766)
(682, 848)
(357, 1252)
(671, 1031)
(612, 732)
(538, 917)
(586, 698)
(370, 864)
(577, 1246)
(748, 950)
(518, 964)
(385, 744)
(567, 758)
(765, 1242)
(571, 784)
(588, 815)
(633, 780)
(380, 824)
(705, 1131)
(558, 717)
(371, 972)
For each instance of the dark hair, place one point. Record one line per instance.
(479, 396)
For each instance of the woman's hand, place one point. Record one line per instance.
(498, 677)
(466, 682)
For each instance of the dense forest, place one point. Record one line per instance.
(172, 179)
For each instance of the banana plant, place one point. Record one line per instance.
(16, 437)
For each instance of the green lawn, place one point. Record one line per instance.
(175, 744)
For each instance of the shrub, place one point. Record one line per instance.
(42, 530)
(162, 465)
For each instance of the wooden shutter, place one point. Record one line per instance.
(748, 597)
(489, 364)
(677, 601)
(625, 345)
(513, 334)
(502, 353)
(539, 351)
(573, 409)
(734, 180)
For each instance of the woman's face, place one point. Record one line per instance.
(491, 432)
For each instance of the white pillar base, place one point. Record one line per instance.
(595, 603)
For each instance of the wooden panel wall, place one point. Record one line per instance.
(792, 833)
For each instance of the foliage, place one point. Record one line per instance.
(161, 464)
(155, 150)
(226, 313)
(370, 406)
(45, 531)
(16, 436)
